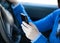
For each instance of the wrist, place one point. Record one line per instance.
(35, 36)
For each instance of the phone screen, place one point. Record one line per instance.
(24, 18)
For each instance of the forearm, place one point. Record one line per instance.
(47, 22)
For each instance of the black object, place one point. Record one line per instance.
(24, 18)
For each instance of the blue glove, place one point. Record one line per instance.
(53, 36)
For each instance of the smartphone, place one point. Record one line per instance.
(24, 18)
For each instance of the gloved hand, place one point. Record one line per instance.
(30, 30)
(53, 36)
